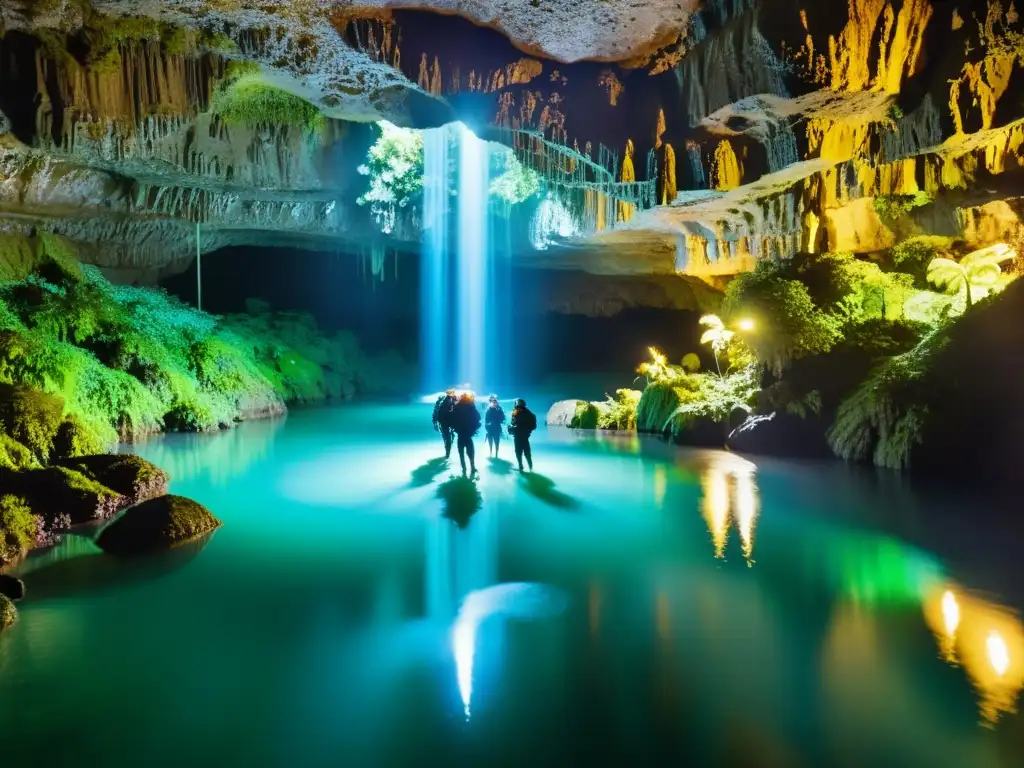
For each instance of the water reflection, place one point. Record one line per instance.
(985, 639)
(730, 491)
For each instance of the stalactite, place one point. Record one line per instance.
(726, 172)
(669, 189)
(659, 131)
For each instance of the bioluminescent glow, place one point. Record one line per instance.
(435, 303)
(474, 256)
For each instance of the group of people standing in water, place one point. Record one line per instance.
(458, 421)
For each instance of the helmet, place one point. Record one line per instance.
(450, 391)
(467, 396)
(520, 403)
(492, 399)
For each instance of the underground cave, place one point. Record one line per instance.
(579, 383)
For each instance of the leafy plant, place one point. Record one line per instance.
(717, 335)
(517, 183)
(892, 208)
(977, 274)
(394, 165)
(690, 362)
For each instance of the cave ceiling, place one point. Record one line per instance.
(682, 137)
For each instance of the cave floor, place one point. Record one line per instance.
(632, 603)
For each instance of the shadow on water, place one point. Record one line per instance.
(500, 466)
(543, 488)
(425, 473)
(461, 499)
(90, 573)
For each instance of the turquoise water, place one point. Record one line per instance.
(632, 604)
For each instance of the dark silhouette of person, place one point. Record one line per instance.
(494, 417)
(443, 419)
(466, 423)
(521, 426)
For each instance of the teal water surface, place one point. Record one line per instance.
(630, 604)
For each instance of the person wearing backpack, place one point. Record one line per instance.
(521, 426)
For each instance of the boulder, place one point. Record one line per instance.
(8, 613)
(56, 491)
(11, 587)
(561, 413)
(156, 524)
(131, 476)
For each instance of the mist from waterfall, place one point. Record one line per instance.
(460, 302)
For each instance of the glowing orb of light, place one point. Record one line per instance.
(746, 324)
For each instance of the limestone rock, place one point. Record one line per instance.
(561, 413)
(11, 587)
(156, 524)
(8, 613)
(134, 478)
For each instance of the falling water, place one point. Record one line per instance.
(435, 306)
(473, 283)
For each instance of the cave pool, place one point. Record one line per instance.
(632, 604)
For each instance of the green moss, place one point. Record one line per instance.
(8, 613)
(55, 491)
(126, 474)
(891, 209)
(156, 524)
(249, 100)
(14, 455)
(586, 416)
(656, 405)
(17, 526)
(31, 417)
(238, 68)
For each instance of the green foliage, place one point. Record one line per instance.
(517, 182)
(14, 455)
(31, 417)
(690, 362)
(914, 254)
(586, 417)
(394, 165)
(249, 100)
(892, 208)
(714, 398)
(884, 417)
(788, 324)
(657, 403)
(978, 273)
(17, 526)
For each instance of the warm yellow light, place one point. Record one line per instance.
(998, 653)
(746, 324)
(950, 612)
(715, 484)
(746, 511)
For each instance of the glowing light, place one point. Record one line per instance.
(434, 266)
(950, 612)
(716, 508)
(746, 324)
(552, 219)
(998, 653)
(473, 327)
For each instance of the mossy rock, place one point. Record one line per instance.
(14, 455)
(8, 613)
(586, 416)
(54, 491)
(17, 525)
(562, 413)
(156, 524)
(31, 417)
(11, 587)
(131, 476)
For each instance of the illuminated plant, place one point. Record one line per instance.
(249, 100)
(977, 274)
(394, 165)
(518, 183)
(717, 335)
(690, 362)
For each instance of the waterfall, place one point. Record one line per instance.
(435, 307)
(458, 281)
(474, 258)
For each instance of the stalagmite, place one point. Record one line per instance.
(726, 173)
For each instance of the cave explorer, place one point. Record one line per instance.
(493, 419)
(465, 420)
(523, 422)
(442, 419)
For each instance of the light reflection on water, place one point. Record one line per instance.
(337, 612)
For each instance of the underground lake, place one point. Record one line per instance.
(630, 602)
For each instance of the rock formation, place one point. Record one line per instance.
(695, 137)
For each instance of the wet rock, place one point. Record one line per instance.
(57, 491)
(11, 587)
(156, 524)
(561, 413)
(8, 613)
(131, 476)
